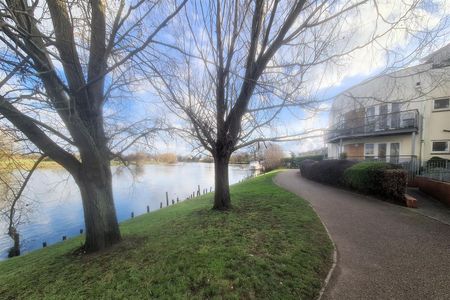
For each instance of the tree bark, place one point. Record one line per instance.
(222, 199)
(15, 249)
(102, 228)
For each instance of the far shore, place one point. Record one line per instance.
(27, 163)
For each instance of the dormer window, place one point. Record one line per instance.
(441, 104)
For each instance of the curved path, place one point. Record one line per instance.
(384, 251)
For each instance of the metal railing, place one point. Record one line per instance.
(410, 163)
(370, 125)
(438, 169)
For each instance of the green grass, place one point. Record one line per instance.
(270, 245)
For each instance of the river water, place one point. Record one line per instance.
(56, 208)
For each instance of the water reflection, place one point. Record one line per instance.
(57, 204)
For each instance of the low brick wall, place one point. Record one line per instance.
(437, 189)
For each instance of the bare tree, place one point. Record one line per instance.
(13, 180)
(273, 155)
(62, 60)
(239, 64)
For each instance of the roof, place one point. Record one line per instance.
(438, 57)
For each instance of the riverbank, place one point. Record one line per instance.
(271, 245)
(24, 163)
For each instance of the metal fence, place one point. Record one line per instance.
(437, 169)
(410, 163)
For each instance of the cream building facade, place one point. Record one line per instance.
(399, 117)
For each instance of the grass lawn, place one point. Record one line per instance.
(271, 245)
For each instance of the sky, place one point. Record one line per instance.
(322, 82)
(327, 81)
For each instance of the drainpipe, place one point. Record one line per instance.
(413, 143)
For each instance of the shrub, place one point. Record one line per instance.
(294, 162)
(378, 178)
(393, 184)
(326, 171)
(306, 166)
(370, 177)
(272, 157)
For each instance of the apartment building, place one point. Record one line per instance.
(398, 117)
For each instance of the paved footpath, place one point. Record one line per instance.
(384, 251)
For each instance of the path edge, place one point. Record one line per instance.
(333, 266)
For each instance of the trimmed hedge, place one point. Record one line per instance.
(378, 178)
(370, 177)
(326, 171)
(294, 162)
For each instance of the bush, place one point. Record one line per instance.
(326, 171)
(273, 156)
(378, 178)
(393, 184)
(294, 162)
(370, 177)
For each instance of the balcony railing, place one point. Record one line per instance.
(410, 163)
(390, 123)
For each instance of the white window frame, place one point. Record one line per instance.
(445, 151)
(365, 146)
(441, 109)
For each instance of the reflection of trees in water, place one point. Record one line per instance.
(136, 169)
(13, 209)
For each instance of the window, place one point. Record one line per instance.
(370, 112)
(370, 119)
(369, 149)
(439, 146)
(383, 116)
(442, 104)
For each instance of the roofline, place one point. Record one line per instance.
(377, 77)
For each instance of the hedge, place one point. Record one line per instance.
(326, 171)
(294, 162)
(370, 177)
(378, 178)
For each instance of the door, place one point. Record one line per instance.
(395, 116)
(382, 152)
(394, 153)
(370, 119)
(383, 117)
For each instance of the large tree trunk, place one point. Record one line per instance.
(222, 199)
(15, 249)
(102, 228)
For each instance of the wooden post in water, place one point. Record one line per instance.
(167, 199)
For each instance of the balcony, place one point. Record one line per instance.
(375, 125)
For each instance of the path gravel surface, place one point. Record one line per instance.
(384, 251)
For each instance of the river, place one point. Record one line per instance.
(55, 202)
